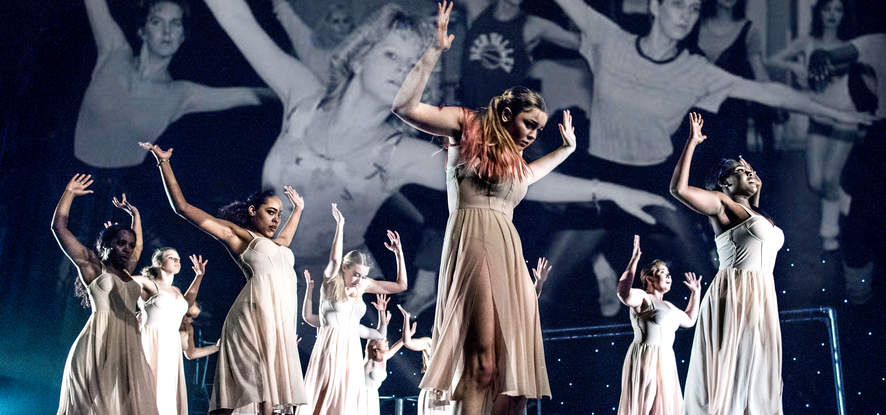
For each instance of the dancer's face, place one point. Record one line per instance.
(164, 31)
(354, 274)
(266, 216)
(832, 14)
(121, 249)
(384, 67)
(170, 262)
(377, 349)
(743, 181)
(675, 18)
(659, 280)
(339, 23)
(524, 127)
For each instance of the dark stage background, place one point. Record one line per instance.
(47, 56)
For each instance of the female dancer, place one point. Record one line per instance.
(258, 359)
(334, 380)
(736, 355)
(488, 351)
(830, 141)
(162, 319)
(377, 354)
(315, 47)
(105, 371)
(649, 381)
(429, 402)
(339, 142)
(186, 332)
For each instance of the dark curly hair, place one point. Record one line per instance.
(238, 212)
(719, 172)
(102, 244)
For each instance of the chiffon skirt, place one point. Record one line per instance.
(163, 351)
(334, 381)
(735, 366)
(649, 381)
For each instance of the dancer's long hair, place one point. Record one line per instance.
(153, 271)
(334, 288)
(237, 212)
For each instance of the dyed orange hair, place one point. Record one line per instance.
(486, 146)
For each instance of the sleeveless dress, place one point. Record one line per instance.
(480, 244)
(162, 345)
(735, 367)
(376, 373)
(258, 354)
(106, 372)
(649, 380)
(334, 381)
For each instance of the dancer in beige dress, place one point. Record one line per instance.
(335, 378)
(735, 366)
(649, 381)
(105, 372)
(162, 318)
(258, 363)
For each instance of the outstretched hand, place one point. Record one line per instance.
(443, 40)
(298, 202)
(693, 282)
(381, 302)
(637, 252)
(308, 281)
(159, 154)
(336, 214)
(408, 329)
(198, 264)
(567, 130)
(124, 205)
(393, 243)
(695, 124)
(78, 184)
(541, 270)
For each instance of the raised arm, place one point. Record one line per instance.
(84, 259)
(441, 121)
(547, 163)
(307, 306)
(384, 317)
(628, 295)
(284, 237)
(778, 95)
(541, 271)
(402, 283)
(703, 201)
(694, 285)
(202, 98)
(335, 253)
(593, 24)
(409, 341)
(136, 227)
(296, 29)
(191, 352)
(105, 30)
(233, 236)
(198, 264)
(288, 77)
(538, 29)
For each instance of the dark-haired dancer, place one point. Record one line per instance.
(105, 372)
(335, 377)
(735, 366)
(258, 361)
(133, 97)
(162, 316)
(649, 381)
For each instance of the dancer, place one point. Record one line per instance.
(315, 47)
(105, 371)
(649, 381)
(258, 362)
(334, 380)
(162, 318)
(339, 142)
(378, 352)
(829, 142)
(429, 402)
(133, 97)
(186, 332)
(488, 351)
(735, 365)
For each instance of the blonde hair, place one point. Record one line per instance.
(487, 147)
(153, 271)
(334, 288)
(649, 269)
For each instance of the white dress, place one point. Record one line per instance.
(735, 366)
(334, 381)
(161, 318)
(649, 380)
(375, 374)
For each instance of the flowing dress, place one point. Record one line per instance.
(481, 246)
(376, 373)
(106, 372)
(162, 316)
(258, 354)
(735, 366)
(334, 380)
(649, 380)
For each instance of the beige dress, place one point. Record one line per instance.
(480, 244)
(735, 366)
(106, 372)
(649, 380)
(432, 402)
(162, 316)
(334, 380)
(258, 354)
